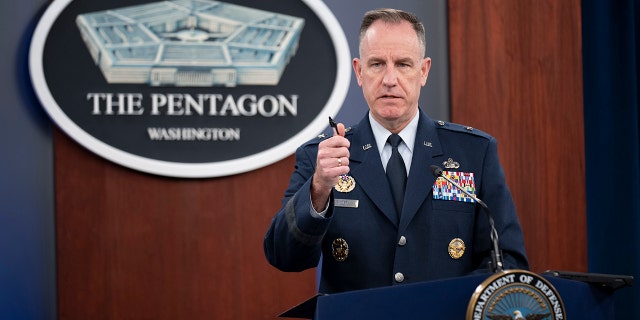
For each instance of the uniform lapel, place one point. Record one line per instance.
(427, 146)
(366, 168)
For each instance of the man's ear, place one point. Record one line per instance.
(357, 69)
(424, 69)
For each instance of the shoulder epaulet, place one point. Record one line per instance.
(460, 128)
(324, 135)
(348, 131)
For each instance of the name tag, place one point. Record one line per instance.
(345, 203)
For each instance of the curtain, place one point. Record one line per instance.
(611, 41)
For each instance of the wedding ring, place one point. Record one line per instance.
(339, 162)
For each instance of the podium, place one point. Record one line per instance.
(445, 299)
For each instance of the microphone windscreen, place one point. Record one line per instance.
(437, 171)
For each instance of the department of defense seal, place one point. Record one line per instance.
(515, 294)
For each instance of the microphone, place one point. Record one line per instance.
(496, 263)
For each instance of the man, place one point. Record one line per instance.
(341, 205)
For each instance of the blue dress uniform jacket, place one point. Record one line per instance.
(382, 249)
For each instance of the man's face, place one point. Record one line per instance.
(391, 71)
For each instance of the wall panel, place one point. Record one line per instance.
(138, 246)
(516, 72)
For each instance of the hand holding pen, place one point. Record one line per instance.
(339, 132)
(332, 163)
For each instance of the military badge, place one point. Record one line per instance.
(450, 164)
(340, 249)
(345, 184)
(456, 248)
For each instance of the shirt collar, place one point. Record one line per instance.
(408, 134)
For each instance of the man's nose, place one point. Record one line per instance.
(390, 76)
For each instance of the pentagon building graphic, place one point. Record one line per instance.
(190, 43)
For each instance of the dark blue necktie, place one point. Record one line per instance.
(396, 172)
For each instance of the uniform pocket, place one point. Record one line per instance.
(451, 205)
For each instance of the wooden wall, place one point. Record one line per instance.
(516, 72)
(137, 246)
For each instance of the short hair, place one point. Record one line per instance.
(394, 16)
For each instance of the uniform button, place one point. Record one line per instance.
(402, 241)
(399, 277)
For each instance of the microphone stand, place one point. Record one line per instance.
(496, 264)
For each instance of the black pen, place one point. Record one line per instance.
(333, 124)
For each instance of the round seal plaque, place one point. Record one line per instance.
(515, 294)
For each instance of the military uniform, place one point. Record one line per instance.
(365, 243)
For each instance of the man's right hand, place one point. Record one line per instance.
(332, 162)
